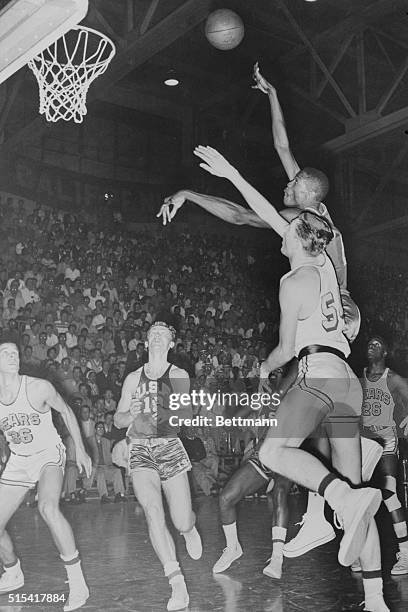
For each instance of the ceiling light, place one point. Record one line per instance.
(171, 78)
(172, 82)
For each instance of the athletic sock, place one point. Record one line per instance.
(373, 585)
(400, 530)
(71, 559)
(172, 571)
(12, 566)
(333, 490)
(278, 540)
(73, 567)
(315, 503)
(231, 535)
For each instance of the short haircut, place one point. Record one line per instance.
(317, 182)
(314, 232)
(380, 339)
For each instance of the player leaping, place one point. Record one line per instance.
(305, 191)
(293, 199)
(326, 392)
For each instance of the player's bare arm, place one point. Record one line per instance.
(3, 449)
(180, 381)
(399, 391)
(128, 406)
(44, 396)
(219, 207)
(289, 299)
(297, 296)
(216, 164)
(280, 136)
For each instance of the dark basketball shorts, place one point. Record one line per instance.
(166, 456)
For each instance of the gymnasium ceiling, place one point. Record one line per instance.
(340, 67)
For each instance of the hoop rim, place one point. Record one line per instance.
(92, 31)
(99, 62)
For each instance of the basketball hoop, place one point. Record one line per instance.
(66, 69)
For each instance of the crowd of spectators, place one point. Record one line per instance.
(80, 298)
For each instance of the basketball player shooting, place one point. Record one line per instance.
(157, 458)
(37, 455)
(305, 191)
(326, 391)
(293, 201)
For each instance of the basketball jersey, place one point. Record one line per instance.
(152, 422)
(378, 404)
(326, 324)
(27, 431)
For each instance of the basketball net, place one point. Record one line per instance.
(65, 70)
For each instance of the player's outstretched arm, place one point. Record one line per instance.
(279, 133)
(219, 207)
(128, 406)
(54, 400)
(216, 164)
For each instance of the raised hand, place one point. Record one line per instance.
(170, 207)
(214, 162)
(260, 82)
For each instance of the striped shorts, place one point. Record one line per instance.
(166, 456)
(264, 471)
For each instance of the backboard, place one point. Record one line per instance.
(27, 27)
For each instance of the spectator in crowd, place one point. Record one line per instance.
(103, 469)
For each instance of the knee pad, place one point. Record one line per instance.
(390, 494)
(392, 502)
(390, 485)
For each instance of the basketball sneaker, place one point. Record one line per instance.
(78, 594)
(228, 557)
(314, 531)
(274, 567)
(12, 579)
(78, 589)
(376, 604)
(358, 508)
(401, 566)
(179, 599)
(193, 543)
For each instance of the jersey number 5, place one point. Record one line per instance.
(329, 311)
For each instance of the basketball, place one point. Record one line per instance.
(224, 29)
